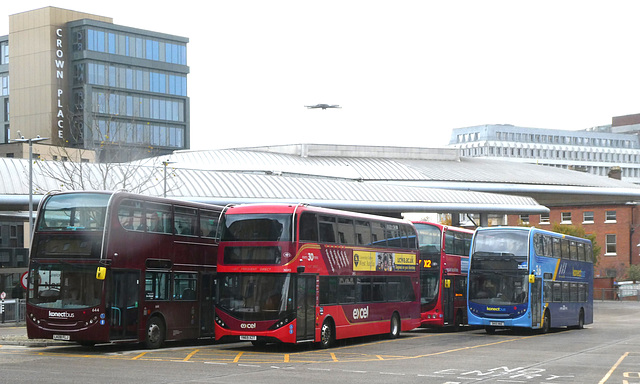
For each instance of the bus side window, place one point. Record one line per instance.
(363, 232)
(185, 221)
(327, 229)
(548, 289)
(308, 227)
(565, 248)
(573, 250)
(557, 252)
(184, 286)
(346, 231)
(377, 235)
(157, 285)
(328, 290)
(581, 253)
(557, 292)
(208, 224)
(159, 218)
(130, 214)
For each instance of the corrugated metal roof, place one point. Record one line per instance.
(236, 175)
(223, 187)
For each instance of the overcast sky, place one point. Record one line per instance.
(405, 72)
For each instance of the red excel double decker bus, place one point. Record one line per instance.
(116, 267)
(296, 273)
(444, 260)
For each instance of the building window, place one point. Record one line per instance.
(610, 217)
(565, 218)
(587, 217)
(611, 245)
(524, 219)
(544, 218)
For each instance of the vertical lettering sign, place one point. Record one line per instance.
(59, 62)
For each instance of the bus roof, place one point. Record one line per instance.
(290, 208)
(443, 226)
(531, 229)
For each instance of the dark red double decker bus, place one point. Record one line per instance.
(296, 273)
(116, 267)
(444, 260)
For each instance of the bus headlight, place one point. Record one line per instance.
(220, 322)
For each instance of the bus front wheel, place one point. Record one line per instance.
(546, 325)
(327, 334)
(155, 333)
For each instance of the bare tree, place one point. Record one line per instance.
(118, 164)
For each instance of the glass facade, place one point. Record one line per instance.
(4, 52)
(136, 101)
(141, 47)
(135, 79)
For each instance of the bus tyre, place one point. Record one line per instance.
(490, 330)
(546, 325)
(580, 324)
(394, 331)
(327, 334)
(155, 333)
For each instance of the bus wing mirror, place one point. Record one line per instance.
(101, 273)
(532, 278)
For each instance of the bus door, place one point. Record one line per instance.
(122, 304)
(536, 302)
(207, 303)
(305, 307)
(447, 300)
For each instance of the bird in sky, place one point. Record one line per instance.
(323, 106)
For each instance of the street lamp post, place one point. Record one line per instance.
(36, 139)
(165, 163)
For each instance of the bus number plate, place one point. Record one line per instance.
(497, 323)
(61, 337)
(248, 338)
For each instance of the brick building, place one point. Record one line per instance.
(613, 225)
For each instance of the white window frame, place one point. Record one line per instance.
(587, 220)
(609, 243)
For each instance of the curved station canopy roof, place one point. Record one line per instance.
(374, 179)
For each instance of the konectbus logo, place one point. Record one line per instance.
(61, 315)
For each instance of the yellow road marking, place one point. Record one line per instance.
(191, 354)
(139, 356)
(606, 377)
(337, 355)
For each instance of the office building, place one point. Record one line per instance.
(84, 82)
(596, 150)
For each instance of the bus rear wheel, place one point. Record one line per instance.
(327, 334)
(580, 324)
(155, 333)
(394, 330)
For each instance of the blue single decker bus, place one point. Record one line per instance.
(523, 277)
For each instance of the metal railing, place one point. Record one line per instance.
(603, 294)
(13, 311)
